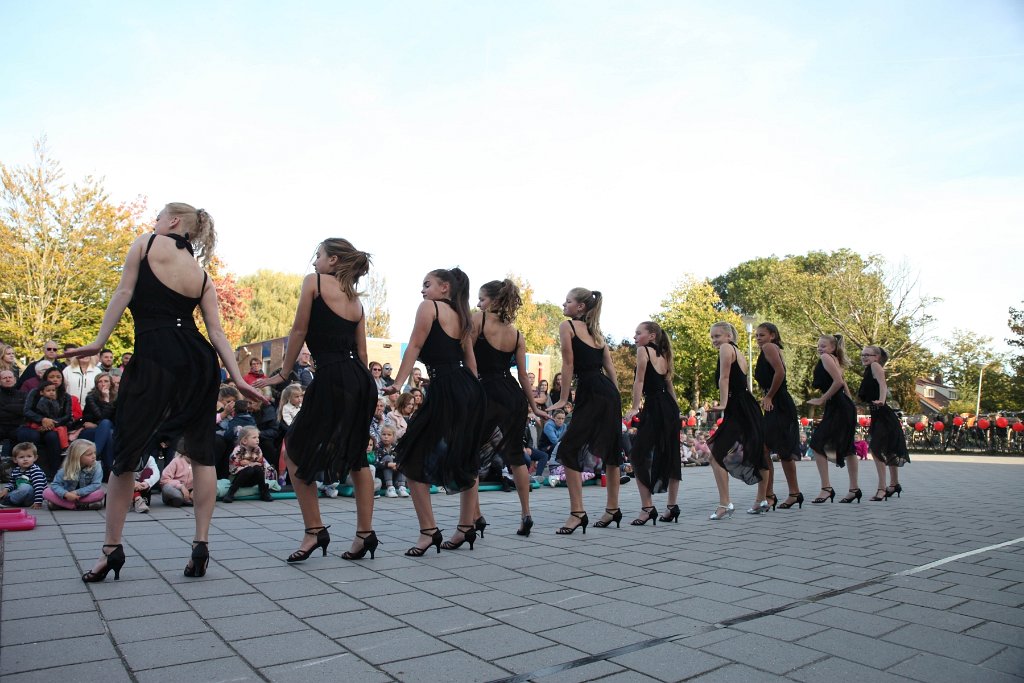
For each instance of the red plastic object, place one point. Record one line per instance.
(804, 421)
(1002, 422)
(17, 512)
(17, 522)
(938, 426)
(719, 420)
(1018, 426)
(984, 424)
(691, 422)
(958, 421)
(863, 422)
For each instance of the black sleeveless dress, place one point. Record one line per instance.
(507, 407)
(838, 425)
(656, 455)
(596, 425)
(331, 431)
(738, 443)
(886, 439)
(442, 444)
(781, 432)
(169, 390)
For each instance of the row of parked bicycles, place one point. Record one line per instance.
(994, 434)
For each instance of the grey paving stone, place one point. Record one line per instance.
(855, 622)
(1009, 661)
(705, 610)
(108, 672)
(954, 645)
(571, 599)
(44, 605)
(771, 655)
(356, 623)
(598, 637)
(59, 652)
(531, 661)
(783, 628)
(992, 612)
(346, 667)
(496, 641)
(264, 624)
(439, 622)
(530, 617)
(836, 669)
(223, 669)
(440, 668)
(182, 649)
(155, 626)
(670, 662)
(868, 650)
(999, 597)
(624, 613)
(296, 646)
(921, 598)
(44, 629)
(737, 673)
(600, 670)
(1000, 633)
(397, 644)
(141, 606)
(931, 668)
(944, 619)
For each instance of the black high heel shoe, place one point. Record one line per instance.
(370, 544)
(773, 498)
(524, 528)
(323, 539)
(480, 524)
(114, 562)
(855, 497)
(879, 498)
(616, 514)
(468, 536)
(830, 497)
(584, 521)
(196, 567)
(896, 490)
(671, 514)
(799, 501)
(652, 517)
(435, 540)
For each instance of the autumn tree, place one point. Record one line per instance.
(687, 315)
(273, 298)
(63, 247)
(232, 299)
(538, 321)
(378, 317)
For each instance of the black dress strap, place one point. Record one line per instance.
(572, 327)
(149, 245)
(648, 350)
(205, 279)
(436, 313)
(318, 284)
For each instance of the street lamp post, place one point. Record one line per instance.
(977, 406)
(749, 324)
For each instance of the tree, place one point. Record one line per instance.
(964, 356)
(624, 361)
(538, 321)
(687, 315)
(272, 301)
(378, 318)
(62, 248)
(232, 301)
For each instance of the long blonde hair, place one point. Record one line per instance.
(286, 399)
(197, 225)
(722, 324)
(840, 348)
(352, 263)
(73, 460)
(591, 300)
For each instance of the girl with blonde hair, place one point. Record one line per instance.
(833, 437)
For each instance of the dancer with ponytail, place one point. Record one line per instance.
(497, 345)
(168, 393)
(781, 433)
(329, 434)
(737, 446)
(833, 437)
(655, 455)
(442, 443)
(596, 423)
(886, 439)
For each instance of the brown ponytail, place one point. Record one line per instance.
(505, 298)
(352, 263)
(662, 344)
(458, 292)
(591, 300)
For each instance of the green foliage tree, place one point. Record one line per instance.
(272, 302)
(378, 317)
(965, 356)
(63, 247)
(538, 321)
(687, 315)
(624, 360)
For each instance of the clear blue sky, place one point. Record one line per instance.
(613, 145)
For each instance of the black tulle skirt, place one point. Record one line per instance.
(331, 432)
(596, 425)
(837, 429)
(656, 455)
(442, 444)
(738, 443)
(781, 431)
(886, 439)
(168, 394)
(507, 411)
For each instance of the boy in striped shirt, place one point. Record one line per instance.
(27, 479)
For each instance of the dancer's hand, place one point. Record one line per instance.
(816, 401)
(630, 414)
(558, 406)
(541, 414)
(393, 389)
(251, 393)
(767, 405)
(87, 350)
(269, 380)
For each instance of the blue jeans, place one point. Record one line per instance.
(23, 496)
(103, 436)
(541, 458)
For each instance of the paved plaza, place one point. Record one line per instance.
(827, 593)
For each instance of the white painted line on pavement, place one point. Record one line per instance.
(954, 558)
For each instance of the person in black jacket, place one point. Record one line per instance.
(98, 420)
(12, 412)
(50, 350)
(41, 426)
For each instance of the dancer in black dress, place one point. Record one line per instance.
(833, 437)
(596, 425)
(656, 455)
(329, 434)
(781, 432)
(737, 446)
(886, 439)
(168, 393)
(442, 443)
(508, 402)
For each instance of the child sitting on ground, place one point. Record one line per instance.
(28, 481)
(387, 466)
(247, 466)
(79, 481)
(176, 482)
(145, 480)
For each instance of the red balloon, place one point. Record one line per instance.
(804, 421)
(938, 426)
(958, 421)
(1001, 422)
(984, 424)
(919, 426)
(691, 422)
(863, 422)
(719, 420)
(712, 432)
(1018, 427)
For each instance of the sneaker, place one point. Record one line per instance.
(331, 491)
(52, 506)
(552, 481)
(392, 493)
(403, 492)
(140, 505)
(100, 504)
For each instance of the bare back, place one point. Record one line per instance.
(176, 268)
(338, 301)
(502, 336)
